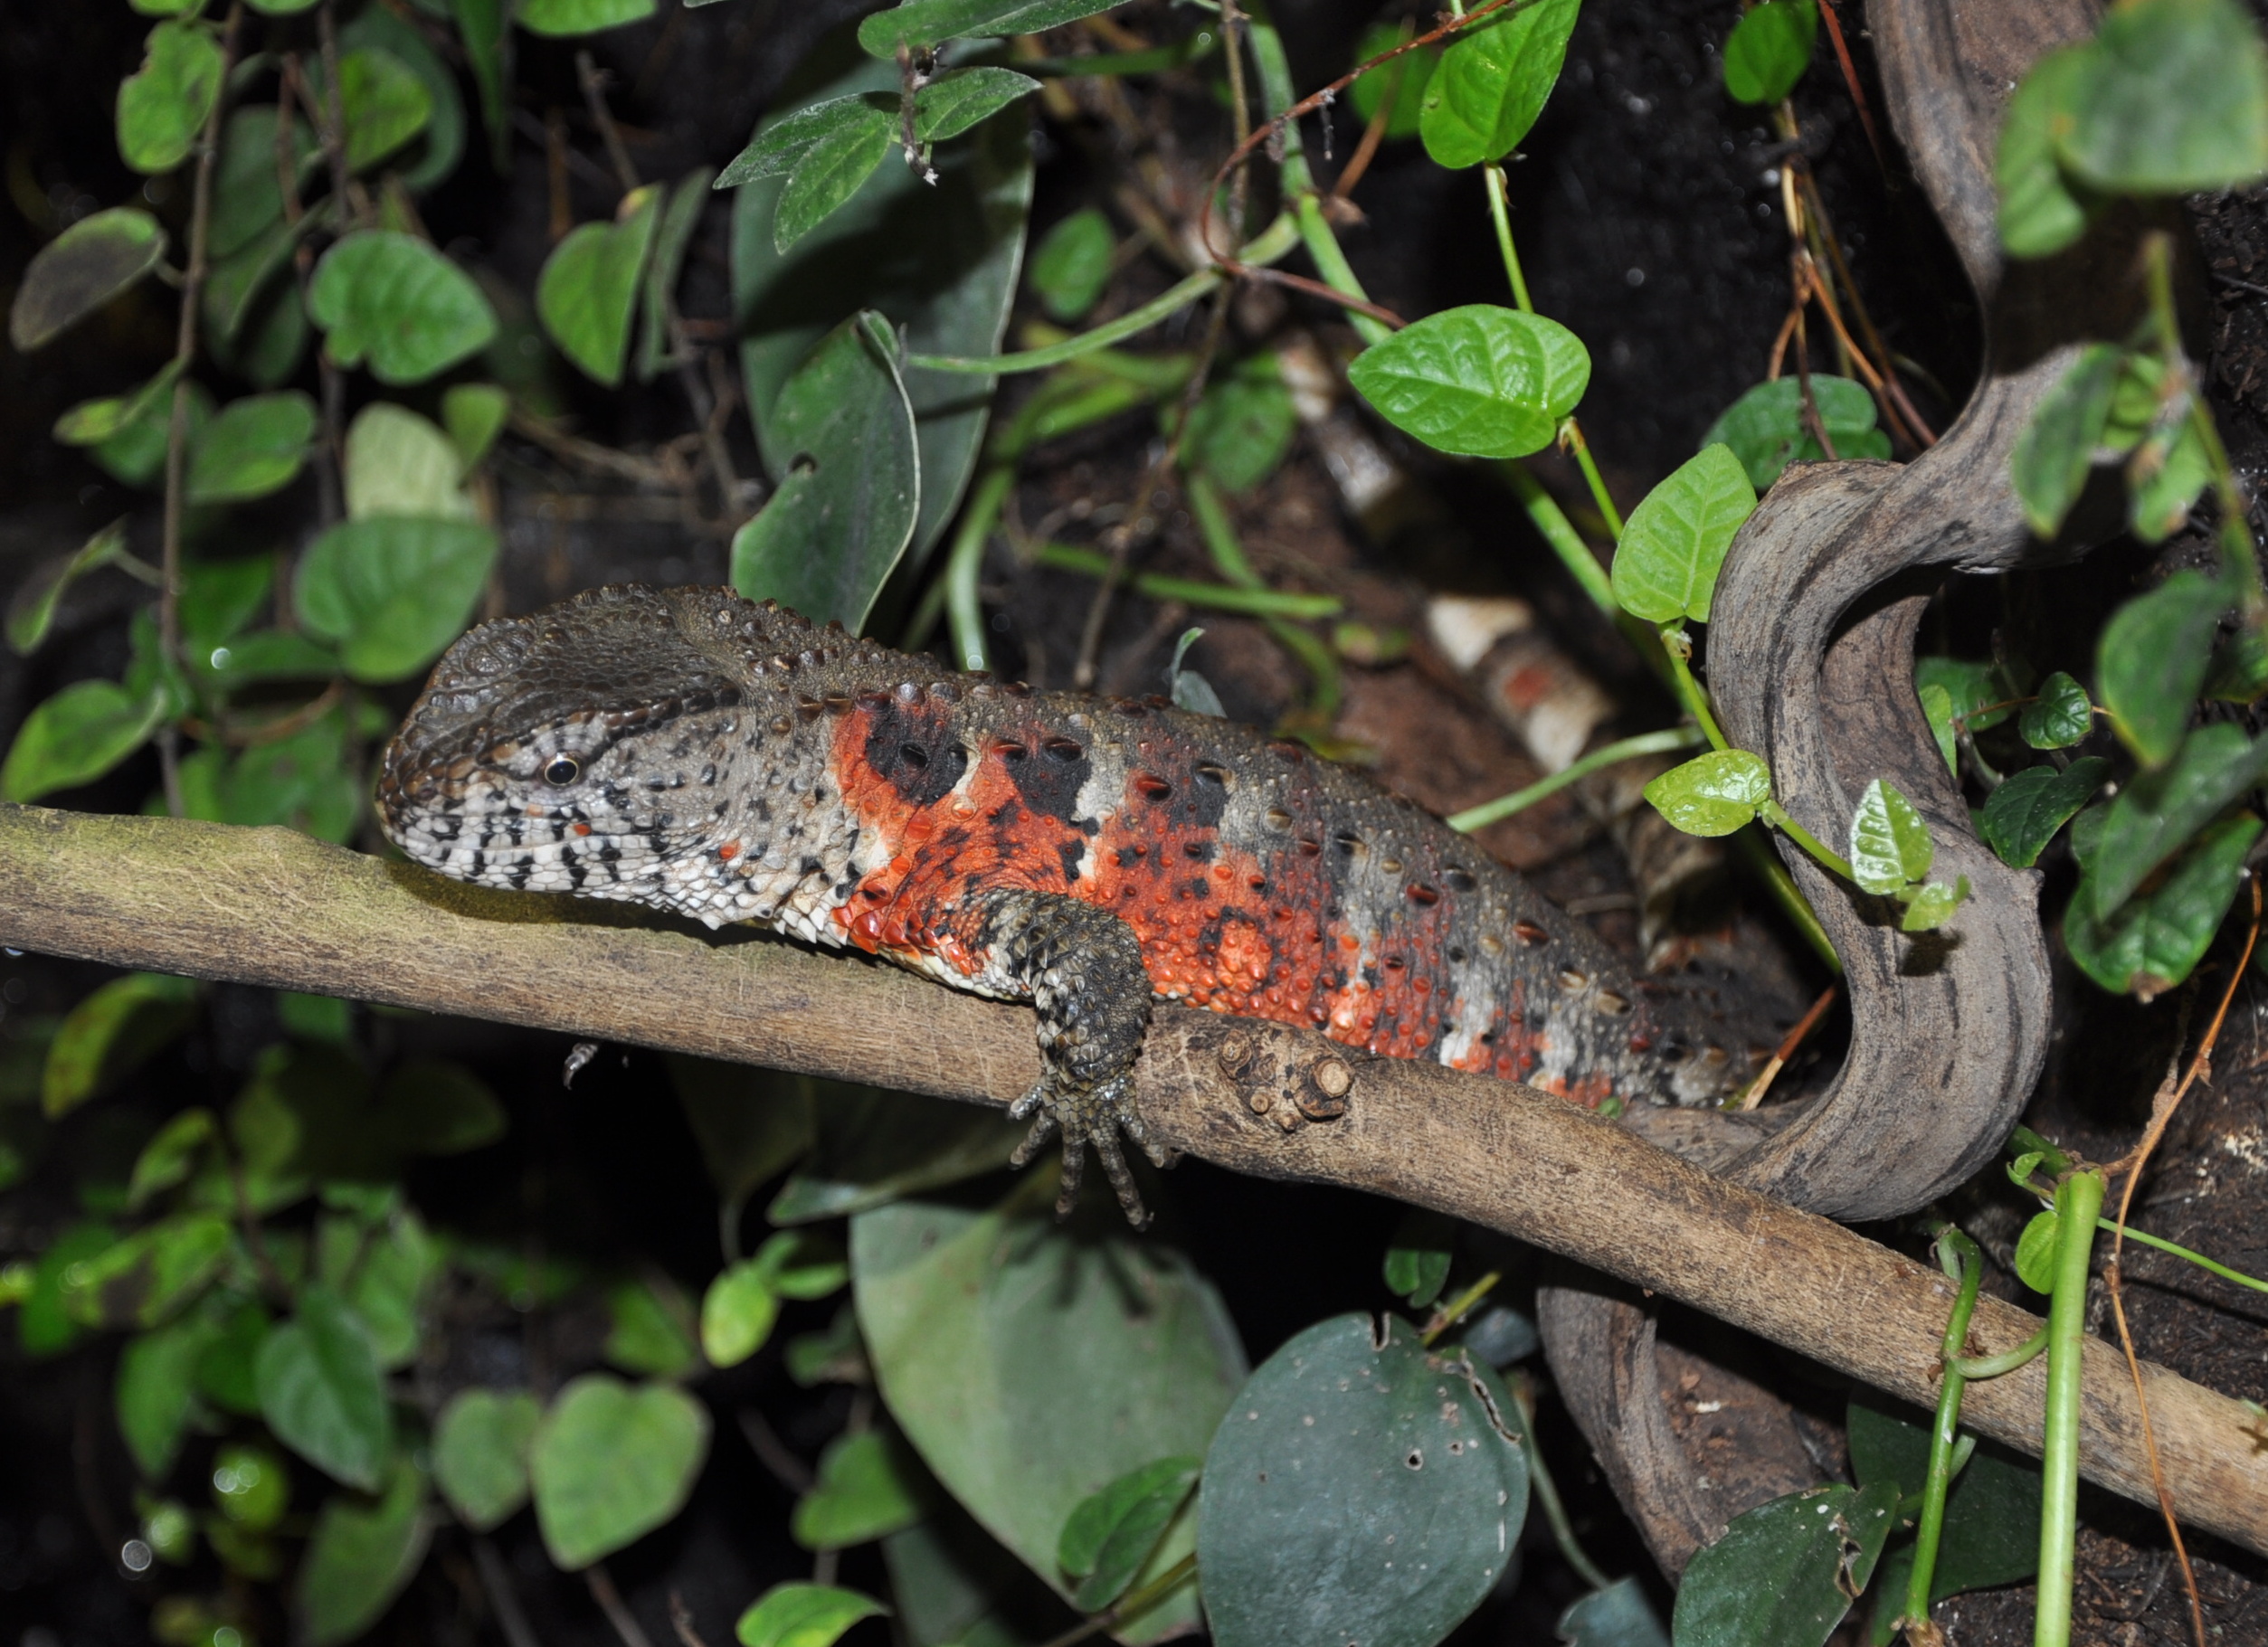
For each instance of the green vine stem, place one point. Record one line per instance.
(964, 612)
(2006, 1361)
(1547, 1490)
(1213, 524)
(1773, 813)
(1597, 759)
(1571, 437)
(2236, 533)
(1500, 213)
(2078, 1205)
(1960, 1260)
(2110, 1227)
(1191, 591)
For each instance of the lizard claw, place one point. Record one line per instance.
(1095, 1116)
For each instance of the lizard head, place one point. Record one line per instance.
(547, 751)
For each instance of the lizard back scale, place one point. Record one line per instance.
(729, 761)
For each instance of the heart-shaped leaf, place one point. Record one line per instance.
(587, 293)
(1769, 49)
(2172, 98)
(393, 300)
(1482, 381)
(610, 1462)
(1492, 83)
(254, 447)
(868, 1486)
(1666, 566)
(2022, 815)
(1767, 430)
(162, 105)
(1711, 794)
(399, 463)
(480, 1448)
(392, 592)
(321, 1390)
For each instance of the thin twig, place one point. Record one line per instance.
(791, 1472)
(681, 1621)
(603, 1591)
(504, 1601)
(592, 80)
(1787, 1050)
(1858, 92)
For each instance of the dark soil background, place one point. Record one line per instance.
(1646, 225)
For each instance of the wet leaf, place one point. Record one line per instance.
(1890, 844)
(162, 105)
(868, 1486)
(959, 98)
(480, 1448)
(787, 140)
(1072, 263)
(1666, 566)
(2172, 98)
(399, 463)
(391, 593)
(80, 270)
(1766, 432)
(804, 1615)
(1479, 381)
(363, 1554)
(393, 300)
(1112, 1534)
(254, 447)
(2151, 660)
(587, 294)
(321, 1390)
(1711, 794)
(1769, 49)
(111, 1034)
(1492, 83)
(2057, 447)
(2022, 815)
(610, 1462)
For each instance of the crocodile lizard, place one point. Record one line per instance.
(731, 761)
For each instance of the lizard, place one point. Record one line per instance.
(732, 761)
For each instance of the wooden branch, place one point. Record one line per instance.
(269, 906)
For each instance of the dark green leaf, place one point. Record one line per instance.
(750, 1124)
(2164, 478)
(835, 1354)
(254, 447)
(399, 463)
(1480, 380)
(2041, 211)
(91, 423)
(1784, 1573)
(223, 1370)
(1992, 1513)
(111, 1034)
(848, 498)
(868, 1486)
(587, 293)
(2239, 668)
(162, 105)
(237, 287)
(2157, 813)
(923, 24)
(1358, 1490)
(1073, 263)
(136, 452)
(1417, 1257)
(2156, 939)
(1241, 430)
(1666, 566)
(959, 98)
(569, 17)
(80, 270)
(43, 1325)
(828, 174)
(680, 219)
(442, 141)
(266, 349)
(141, 1280)
(1971, 687)
(1711, 794)
(652, 1328)
(804, 1615)
(2172, 98)
(803, 1263)
(2150, 663)
(1110, 1537)
(1407, 77)
(1890, 844)
(321, 1390)
(393, 592)
(166, 1161)
(306, 782)
(485, 27)
(610, 1462)
(220, 598)
(786, 140)
(251, 1485)
(433, 1107)
(156, 1398)
(2061, 717)
(1769, 49)
(2057, 447)
(383, 1274)
(2022, 815)
(874, 1146)
(32, 611)
(1617, 1616)
(394, 300)
(480, 1448)
(1492, 83)
(1767, 430)
(363, 1554)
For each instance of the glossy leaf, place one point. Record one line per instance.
(829, 173)
(1769, 49)
(321, 1390)
(398, 463)
(1890, 844)
(959, 98)
(1666, 566)
(848, 500)
(868, 1487)
(32, 611)
(1767, 430)
(787, 140)
(1711, 794)
(2061, 717)
(921, 25)
(80, 270)
(362, 1554)
(2156, 939)
(254, 447)
(1110, 1537)
(1408, 76)
(2157, 812)
(2057, 447)
(610, 1462)
(480, 1447)
(1358, 1490)
(2151, 661)
(162, 105)
(168, 1159)
(1072, 263)
(2022, 815)
(587, 294)
(391, 300)
(382, 102)
(1491, 81)
(804, 1615)
(1784, 1573)
(1479, 381)
(2041, 211)
(572, 17)
(2172, 98)
(109, 1035)
(142, 1279)
(391, 593)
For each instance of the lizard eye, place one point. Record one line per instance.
(562, 770)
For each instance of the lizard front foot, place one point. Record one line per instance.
(1090, 1115)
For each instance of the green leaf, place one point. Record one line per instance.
(220, 598)
(1889, 844)
(383, 1274)
(474, 416)
(804, 1265)
(1073, 264)
(242, 298)
(166, 1161)
(363, 1554)
(1666, 566)
(868, 1487)
(2035, 1253)
(32, 611)
(2155, 940)
(737, 1313)
(1971, 687)
(1711, 794)
(1931, 906)
(440, 144)
(162, 105)
(80, 270)
(1492, 83)
(1417, 1257)
(1481, 381)
(321, 1390)
(2157, 813)
(959, 98)
(922, 25)
(1992, 1512)
(2041, 211)
(997, 1336)
(141, 1280)
(2172, 98)
(2239, 668)
(1765, 428)
(2022, 815)
(828, 174)
(384, 105)
(1358, 1490)
(2150, 663)
(874, 1147)
(804, 1615)
(92, 423)
(1110, 1537)
(251, 1486)
(43, 1325)
(111, 1034)
(786, 141)
(570, 18)
(247, 194)
(652, 1328)
(680, 219)
(393, 300)
(750, 1124)
(1407, 75)
(2057, 447)
(1937, 708)
(2061, 717)
(223, 1371)
(433, 1107)
(834, 1355)
(76, 736)
(254, 447)
(610, 1462)
(1242, 428)
(399, 463)
(485, 28)
(587, 293)
(1617, 1616)
(136, 452)
(156, 1395)
(2164, 478)
(848, 500)
(392, 592)
(1784, 1573)
(480, 1448)
(1769, 49)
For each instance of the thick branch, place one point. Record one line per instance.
(272, 907)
